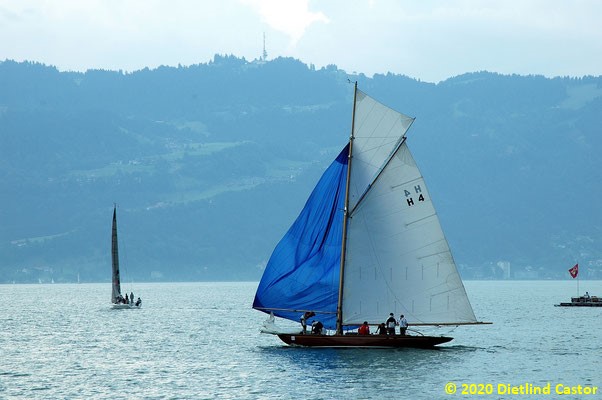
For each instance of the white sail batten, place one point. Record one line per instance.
(378, 130)
(397, 258)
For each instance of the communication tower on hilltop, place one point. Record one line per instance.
(264, 56)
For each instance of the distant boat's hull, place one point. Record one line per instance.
(382, 341)
(583, 304)
(125, 306)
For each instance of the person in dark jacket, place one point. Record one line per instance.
(391, 322)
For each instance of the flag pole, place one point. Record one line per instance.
(575, 274)
(577, 279)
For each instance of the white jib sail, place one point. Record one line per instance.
(397, 257)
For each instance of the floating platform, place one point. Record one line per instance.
(582, 301)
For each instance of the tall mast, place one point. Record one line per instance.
(116, 284)
(345, 217)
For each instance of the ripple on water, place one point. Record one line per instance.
(207, 345)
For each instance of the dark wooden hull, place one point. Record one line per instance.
(382, 341)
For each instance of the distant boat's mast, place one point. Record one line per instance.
(115, 258)
(345, 217)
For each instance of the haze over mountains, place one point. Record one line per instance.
(210, 164)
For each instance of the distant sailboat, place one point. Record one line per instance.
(367, 243)
(117, 300)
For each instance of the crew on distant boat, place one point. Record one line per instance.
(128, 300)
(364, 329)
(587, 296)
(403, 325)
(316, 327)
(382, 329)
(391, 322)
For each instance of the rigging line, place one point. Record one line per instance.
(376, 146)
(369, 163)
(388, 111)
(378, 175)
(450, 323)
(376, 128)
(386, 143)
(292, 310)
(396, 126)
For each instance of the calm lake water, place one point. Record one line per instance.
(202, 341)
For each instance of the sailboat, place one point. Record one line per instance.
(117, 300)
(367, 243)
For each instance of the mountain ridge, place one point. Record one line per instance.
(211, 163)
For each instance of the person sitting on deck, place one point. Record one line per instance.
(138, 302)
(382, 329)
(316, 327)
(364, 329)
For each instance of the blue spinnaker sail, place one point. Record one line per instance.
(303, 271)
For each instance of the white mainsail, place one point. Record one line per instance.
(397, 258)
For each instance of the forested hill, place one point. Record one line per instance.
(210, 164)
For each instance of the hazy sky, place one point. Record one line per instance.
(427, 40)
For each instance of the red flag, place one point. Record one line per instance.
(574, 271)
